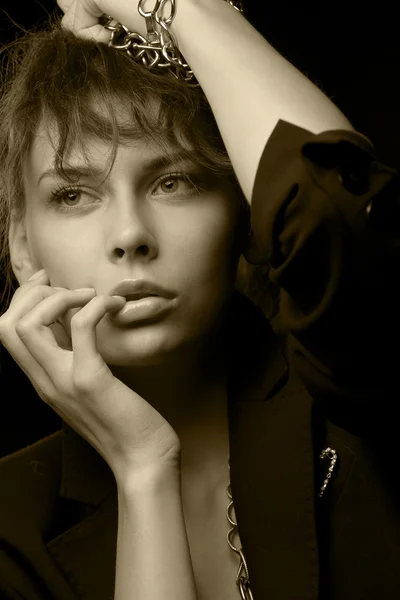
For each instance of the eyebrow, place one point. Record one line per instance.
(84, 170)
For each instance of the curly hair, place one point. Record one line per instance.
(87, 89)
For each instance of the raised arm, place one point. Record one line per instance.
(248, 84)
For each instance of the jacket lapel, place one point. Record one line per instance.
(272, 483)
(86, 552)
(272, 466)
(272, 477)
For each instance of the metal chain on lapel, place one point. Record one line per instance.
(242, 577)
(159, 50)
(332, 455)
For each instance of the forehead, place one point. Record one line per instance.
(45, 143)
(91, 150)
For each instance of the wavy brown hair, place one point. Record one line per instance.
(80, 86)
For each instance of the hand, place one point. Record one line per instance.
(82, 16)
(125, 429)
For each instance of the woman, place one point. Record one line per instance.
(125, 230)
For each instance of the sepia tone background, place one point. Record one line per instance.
(350, 51)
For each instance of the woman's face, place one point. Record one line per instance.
(140, 224)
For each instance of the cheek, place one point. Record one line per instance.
(65, 255)
(207, 248)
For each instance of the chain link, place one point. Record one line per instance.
(159, 49)
(242, 577)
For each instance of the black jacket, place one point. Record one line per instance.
(325, 217)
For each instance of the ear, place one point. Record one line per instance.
(23, 264)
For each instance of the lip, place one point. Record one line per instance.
(146, 302)
(140, 288)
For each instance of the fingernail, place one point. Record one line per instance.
(85, 290)
(119, 297)
(36, 275)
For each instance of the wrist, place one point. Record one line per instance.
(185, 17)
(149, 480)
(195, 20)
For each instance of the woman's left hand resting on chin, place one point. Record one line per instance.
(248, 84)
(125, 429)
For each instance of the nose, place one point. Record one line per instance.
(132, 237)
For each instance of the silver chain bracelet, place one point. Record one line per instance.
(159, 50)
(242, 576)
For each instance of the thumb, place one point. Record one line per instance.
(64, 4)
(82, 18)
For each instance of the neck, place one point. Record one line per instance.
(190, 393)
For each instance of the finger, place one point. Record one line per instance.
(83, 332)
(27, 296)
(64, 4)
(69, 15)
(34, 331)
(39, 278)
(86, 14)
(55, 303)
(25, 299)
(82, 18)
(28, 364)
(22, 303)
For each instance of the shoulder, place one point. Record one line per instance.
(29, 484)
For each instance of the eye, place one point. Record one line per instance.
(170, 184)
(68, 198)
(181, 183)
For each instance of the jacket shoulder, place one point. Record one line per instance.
(29, 486)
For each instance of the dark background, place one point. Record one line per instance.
(349, 50)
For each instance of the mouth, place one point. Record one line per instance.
(138, 296)
(146, 302)
(143, 309)
(137, 289)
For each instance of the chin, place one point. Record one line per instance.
(144, 347)
(137, 360)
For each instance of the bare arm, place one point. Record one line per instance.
(153, 557)
(248, 84)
